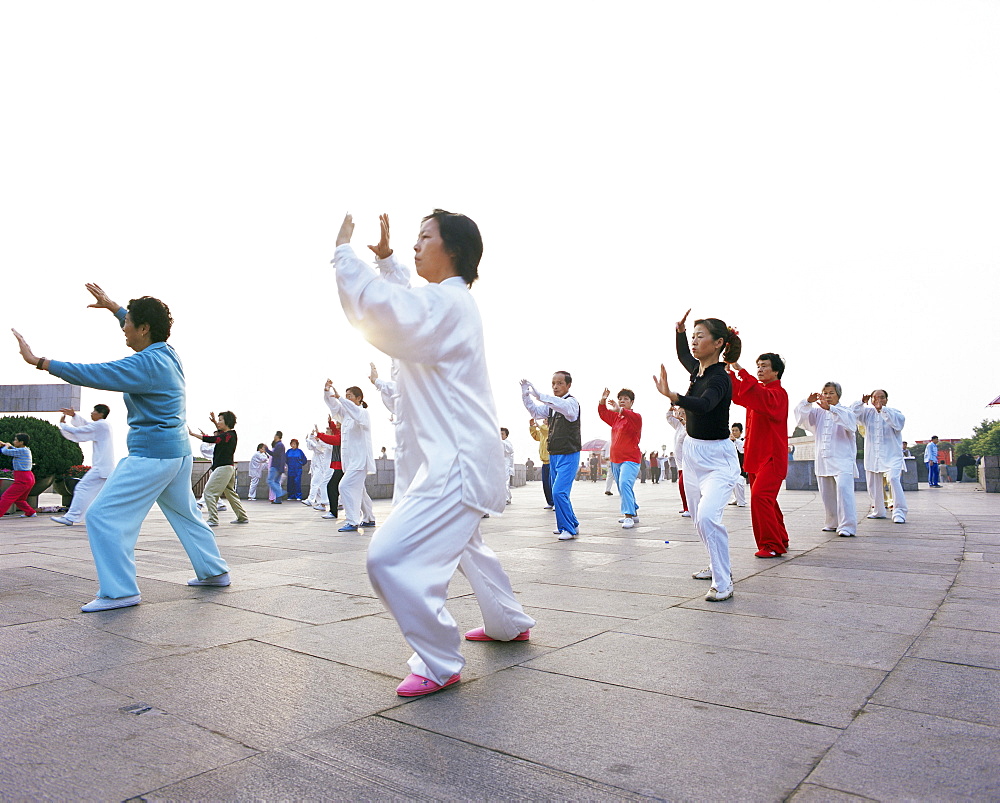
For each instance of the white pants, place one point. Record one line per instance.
(740, 491)
(711, 469)
(507, 488)
(403, 474)
(837, 493)
(254, 481)
(355, 499)
(610, 484)
(318, 478)
(86, 491)
(412, 558)
(874, 481)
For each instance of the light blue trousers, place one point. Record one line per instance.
(625, 475)
(562, 472)
(115, 517)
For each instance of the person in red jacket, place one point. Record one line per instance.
(332, 437)
(765, 448)
(626, 429)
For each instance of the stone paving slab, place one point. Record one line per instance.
(282, 686)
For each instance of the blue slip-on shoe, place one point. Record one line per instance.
(348, 528)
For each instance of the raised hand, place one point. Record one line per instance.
(604, 396)
(382, 250)
(823, 403)
(865, 398)
(26, 353)
(682, 323)
(660, 381)
(346, 230)
(374, 374)
(101, 299)
(67, 411)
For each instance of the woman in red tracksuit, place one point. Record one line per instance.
(765, 448)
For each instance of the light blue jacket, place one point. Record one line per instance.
(20, 456)
(152, 381)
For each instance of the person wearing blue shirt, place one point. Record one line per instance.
(931, 459)
(24, 479)
(295, 459)
(158, 465)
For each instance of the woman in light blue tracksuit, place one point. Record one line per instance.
(158, 465)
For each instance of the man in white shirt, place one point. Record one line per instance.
(836, 456)
(740, 488)
(883, 452)
(508, 459)
(563, 414)
(80, 430)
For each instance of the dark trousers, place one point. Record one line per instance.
(293, 485)
(546, 484)
(333, 489)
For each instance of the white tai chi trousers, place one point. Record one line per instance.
(740, 491)
(711, 469)
(874, 480)
(837, 493)
(411, 559)
(610, 483)
(355, 499)
(317, 485)
(86, 491)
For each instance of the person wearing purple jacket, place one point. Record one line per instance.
(278, 467)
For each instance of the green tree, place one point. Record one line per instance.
(986, 439)
(52, 453)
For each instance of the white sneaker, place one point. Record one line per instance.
(627, 523)
(548, 507)
(220, 580)
(319, 507)
(873, 516)
(635, 519)
(61, 520)
(714, 595)
(564, 535)
(329, 516)
(704, 574)
(685, 514)
(305, 502)
(107, 604)
(898, 518)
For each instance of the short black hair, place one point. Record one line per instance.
(103, 409)
(462, 241)
(566, 377)
(502, 429)
(777, 364)
(626, 392)
(738, 425)
(154, 313)
(25, 438)
(229, 417)
(278, 434)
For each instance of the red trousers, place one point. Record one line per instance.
(765, 515)
(680, 482)
(17, 494)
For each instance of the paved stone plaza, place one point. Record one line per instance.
(863, 668)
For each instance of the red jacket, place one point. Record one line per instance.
(626, 429)
(767, 422)
(334, 441)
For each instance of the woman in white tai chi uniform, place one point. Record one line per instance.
(355, 454)
(711, 466)
(883, 452)
(448, 434)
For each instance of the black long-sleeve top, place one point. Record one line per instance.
(707, 401)
(225, 447)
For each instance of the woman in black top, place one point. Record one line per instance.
(711, 466)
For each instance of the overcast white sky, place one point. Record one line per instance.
(821, 175)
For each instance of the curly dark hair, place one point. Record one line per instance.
(151, 311)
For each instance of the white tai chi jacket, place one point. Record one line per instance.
(680, 435)
(508, 456)
(320, 455)
(883, 437)
(836, 447)
(444, 401)
(99, 431)
(355, 434)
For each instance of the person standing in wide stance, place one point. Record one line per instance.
(711, 466)
(626, 429)
(883, 452)
(765, 449)
(158, 465)
(448, 430)
(79, 430)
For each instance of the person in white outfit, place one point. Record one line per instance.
(740, 488)
(677, 420)
(319, 471)
(355, 454)
(711, 467)
(508, 459)
(81, 430)
(389, 390)
(836, 455)
(257, 469)
(448, 437)
(883, 452)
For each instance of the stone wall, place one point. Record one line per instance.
(802, 476)
(39, 398)
(989, 473)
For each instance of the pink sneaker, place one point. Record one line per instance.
(479, 634)
(418, 686)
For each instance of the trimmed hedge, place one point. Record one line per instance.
(52, 453)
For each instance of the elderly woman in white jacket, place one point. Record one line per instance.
(447, 438)
(883, 452)
(355, 454)
(836, 455)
